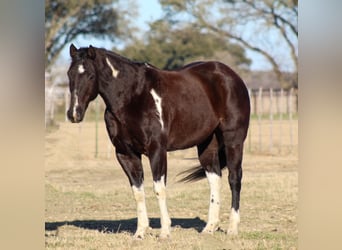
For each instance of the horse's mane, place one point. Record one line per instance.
(122, 58)
(83, 53)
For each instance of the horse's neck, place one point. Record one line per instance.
(119, 92)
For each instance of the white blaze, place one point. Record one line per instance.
(115, 72)
(158, 101)
(81, 69)
(165, 221)
(74, 111)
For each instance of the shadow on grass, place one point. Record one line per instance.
(128, 225)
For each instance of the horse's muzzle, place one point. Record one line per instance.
(75, 115)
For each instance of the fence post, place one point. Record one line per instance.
(52, 112)
(260, 111)
(271, 119)
(281, 118)
(79, 141)
(290, 116)
(96, 125)
(249, 130)
(66, 96)
(109, 149)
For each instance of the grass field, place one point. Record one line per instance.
(89, 202)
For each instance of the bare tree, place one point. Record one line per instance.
(231, 18)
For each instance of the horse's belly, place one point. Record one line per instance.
(189, 131)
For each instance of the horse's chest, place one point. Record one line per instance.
(132, 138)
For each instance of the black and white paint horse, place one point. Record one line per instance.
(151, 111)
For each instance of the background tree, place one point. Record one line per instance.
(168, 48)
(249, 23)
(66, 20)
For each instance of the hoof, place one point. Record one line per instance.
(165, 234)
(210, 228)
(138, 237)
(139, 234)
(232, 231)
(207, 231)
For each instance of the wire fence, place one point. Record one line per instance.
(273, 127)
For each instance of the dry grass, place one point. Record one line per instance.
(89, 203)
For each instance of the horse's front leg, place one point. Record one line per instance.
(131, 164)
(158, 162)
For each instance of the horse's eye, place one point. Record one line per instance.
(91, 77)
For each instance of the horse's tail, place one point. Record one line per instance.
(198, 173)
(193, 174)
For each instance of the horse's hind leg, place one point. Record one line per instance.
(233, 141)
(209, 159)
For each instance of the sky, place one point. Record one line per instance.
(150, 10)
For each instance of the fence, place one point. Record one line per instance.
(273, 101)
(273, 127)
(274, 119)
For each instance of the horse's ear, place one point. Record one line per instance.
(91, 52)
(72, 50)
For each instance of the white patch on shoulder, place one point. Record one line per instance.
(158, 101)
(81, 69)
(115, 72)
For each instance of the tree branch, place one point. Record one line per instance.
(274, 64)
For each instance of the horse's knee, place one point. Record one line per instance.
(159, 188)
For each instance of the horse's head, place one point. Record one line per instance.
(83, 82)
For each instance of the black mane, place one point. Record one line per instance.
(120, 57)
(83, 54)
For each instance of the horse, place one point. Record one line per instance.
(150, 111)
